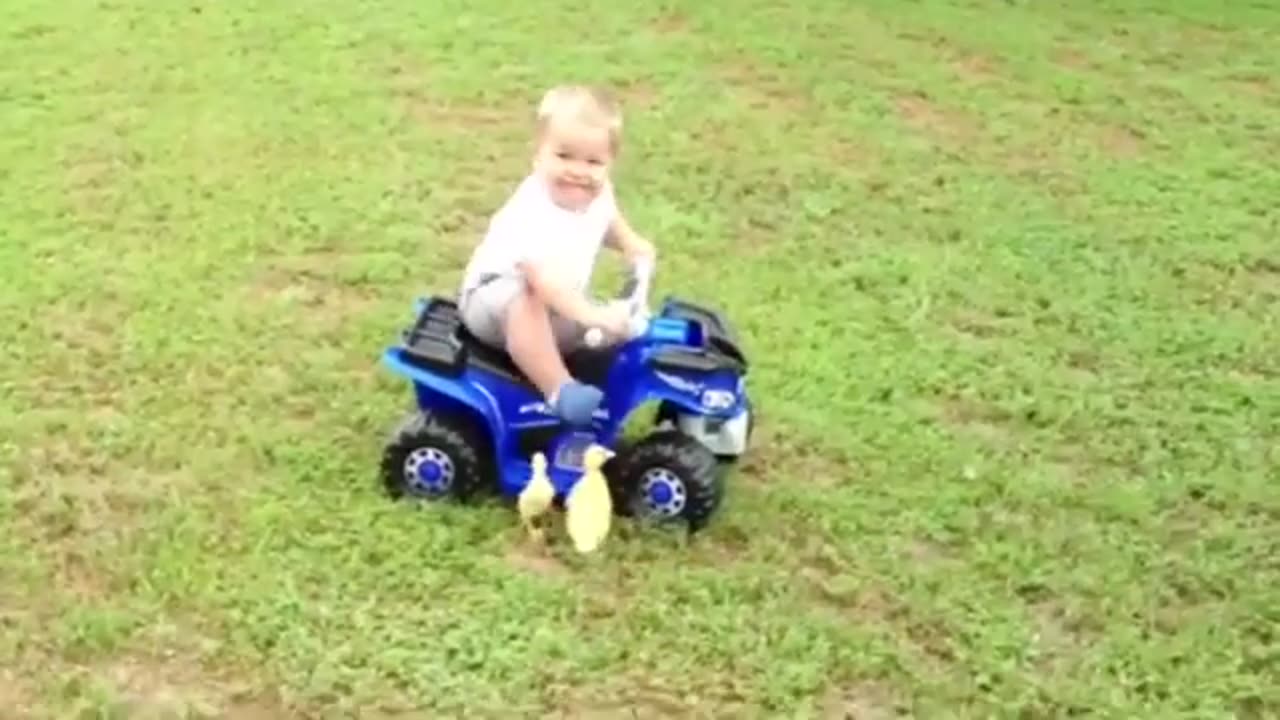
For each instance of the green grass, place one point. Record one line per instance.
(1008, 273)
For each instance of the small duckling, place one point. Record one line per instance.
(536, 497)
(589, 507)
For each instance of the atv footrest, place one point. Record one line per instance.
(433, 341)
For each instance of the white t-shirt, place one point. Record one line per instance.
(531, 226)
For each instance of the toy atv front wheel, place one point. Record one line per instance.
(432, 456)
(667, 477)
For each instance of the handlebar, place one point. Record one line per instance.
(635, 294)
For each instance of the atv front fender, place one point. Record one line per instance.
(718, 397)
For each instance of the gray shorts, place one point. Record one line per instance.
(484, 311)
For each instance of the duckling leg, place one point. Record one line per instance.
(537, 534)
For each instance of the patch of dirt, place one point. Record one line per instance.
(92, 172)
(1119, 141)
(635, 698)
(16, 695)
(975, 66)
(1265, 272)
(408, 81)
(1055, 636)
(1084, 360)
(847, 152)
(83, 335)
(764, 88)
(1038, 163)
(461, 226)
(670, 22)
(968, 64)
(946, 124)
(728, 542)
(930, 637)
(320, 263)
(774, 457)
(986, 422)
(1071, 464)
(1259, 87)
(756, 234)
(776, 454)
(977, 324)
(923, 551)
(1073, 58)
(76, 504)
(169, 682)
(410, 84)
(174, 686)
(869, 603)
(1233, 286)
(865, 700)
(67, 489)
(94, 175)
(465, 116)
(622, 709)
(837, 584)
(313, 283)
(716, 133)
(527, 557)
(828, 592)
(496, 132)
(878, 602)
(637, 95)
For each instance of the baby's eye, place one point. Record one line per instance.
(562, 155)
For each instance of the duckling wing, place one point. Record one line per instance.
(536, 496)
(588, 512)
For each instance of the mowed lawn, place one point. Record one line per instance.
(1009, 274)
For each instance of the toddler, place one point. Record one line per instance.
(525, 288)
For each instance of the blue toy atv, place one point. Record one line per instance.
(479, 420)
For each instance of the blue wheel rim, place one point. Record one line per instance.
(428, 472)
(662, 494)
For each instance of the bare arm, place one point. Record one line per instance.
(623, 238)
(548, 287)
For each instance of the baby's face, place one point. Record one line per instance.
(574, 161)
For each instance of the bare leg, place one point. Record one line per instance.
(532, 344)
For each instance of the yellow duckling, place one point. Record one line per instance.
(536, 496)
(589, 507)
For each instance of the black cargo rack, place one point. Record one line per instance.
(723, 347)
(433, 341)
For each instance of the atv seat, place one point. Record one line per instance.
(439, 342)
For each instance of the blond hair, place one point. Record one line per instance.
(587, 104)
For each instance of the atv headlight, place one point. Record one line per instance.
(723, 436)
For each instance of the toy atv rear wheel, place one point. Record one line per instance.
(666, 477)
(433, 456)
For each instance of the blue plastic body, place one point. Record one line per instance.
(633, 378)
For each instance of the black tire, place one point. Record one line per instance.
(450, 442)
(667, 454)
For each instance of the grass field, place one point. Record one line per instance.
(1008, 273)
